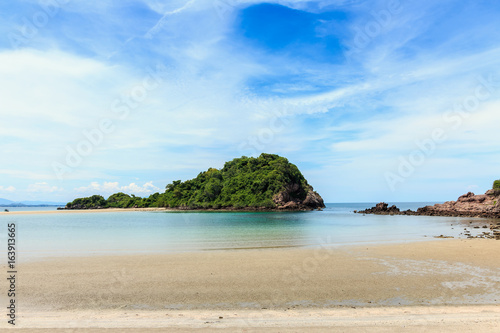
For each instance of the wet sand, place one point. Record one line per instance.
(443, 285)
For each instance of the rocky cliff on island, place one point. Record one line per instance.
(288, 198)
(269, 182)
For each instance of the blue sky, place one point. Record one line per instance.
(372, 100)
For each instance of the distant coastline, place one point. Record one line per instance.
(22, 205)
(75, 211)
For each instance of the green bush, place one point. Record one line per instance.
(118, 200)
(496, 184)
(95, 201)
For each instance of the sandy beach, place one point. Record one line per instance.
(447, 284)
(76, 211)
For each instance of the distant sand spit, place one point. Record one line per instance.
(443, 286)
(73, 211)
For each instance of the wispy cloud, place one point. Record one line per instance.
(158, 26)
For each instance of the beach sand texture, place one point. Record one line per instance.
(445, 285)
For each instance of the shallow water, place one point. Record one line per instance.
(56, 235)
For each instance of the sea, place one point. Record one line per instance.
(43, 236)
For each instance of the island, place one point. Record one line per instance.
(268, 182)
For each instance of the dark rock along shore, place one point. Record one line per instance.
(468, 205)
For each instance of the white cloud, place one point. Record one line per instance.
(113, 187)
(390, 94)
(63, 89)
(7, 189)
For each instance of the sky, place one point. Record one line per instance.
(372, 100)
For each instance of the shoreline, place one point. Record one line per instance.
(176, 210)
(114, 210)
(353, 286)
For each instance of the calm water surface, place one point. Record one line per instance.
(55, 235)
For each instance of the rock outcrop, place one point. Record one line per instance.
(468, 205)
(381, 208)
(290, 199)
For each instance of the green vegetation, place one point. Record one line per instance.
(242, 183)
(94, 201)
(122, 200)
(496, 184)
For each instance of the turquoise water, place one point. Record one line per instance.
(56, 235)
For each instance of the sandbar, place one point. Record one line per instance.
(79, 211)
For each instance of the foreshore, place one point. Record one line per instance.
(447, 285)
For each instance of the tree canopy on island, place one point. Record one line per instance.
(496, 184)
(245, 182)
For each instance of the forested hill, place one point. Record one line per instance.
(266, 182)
